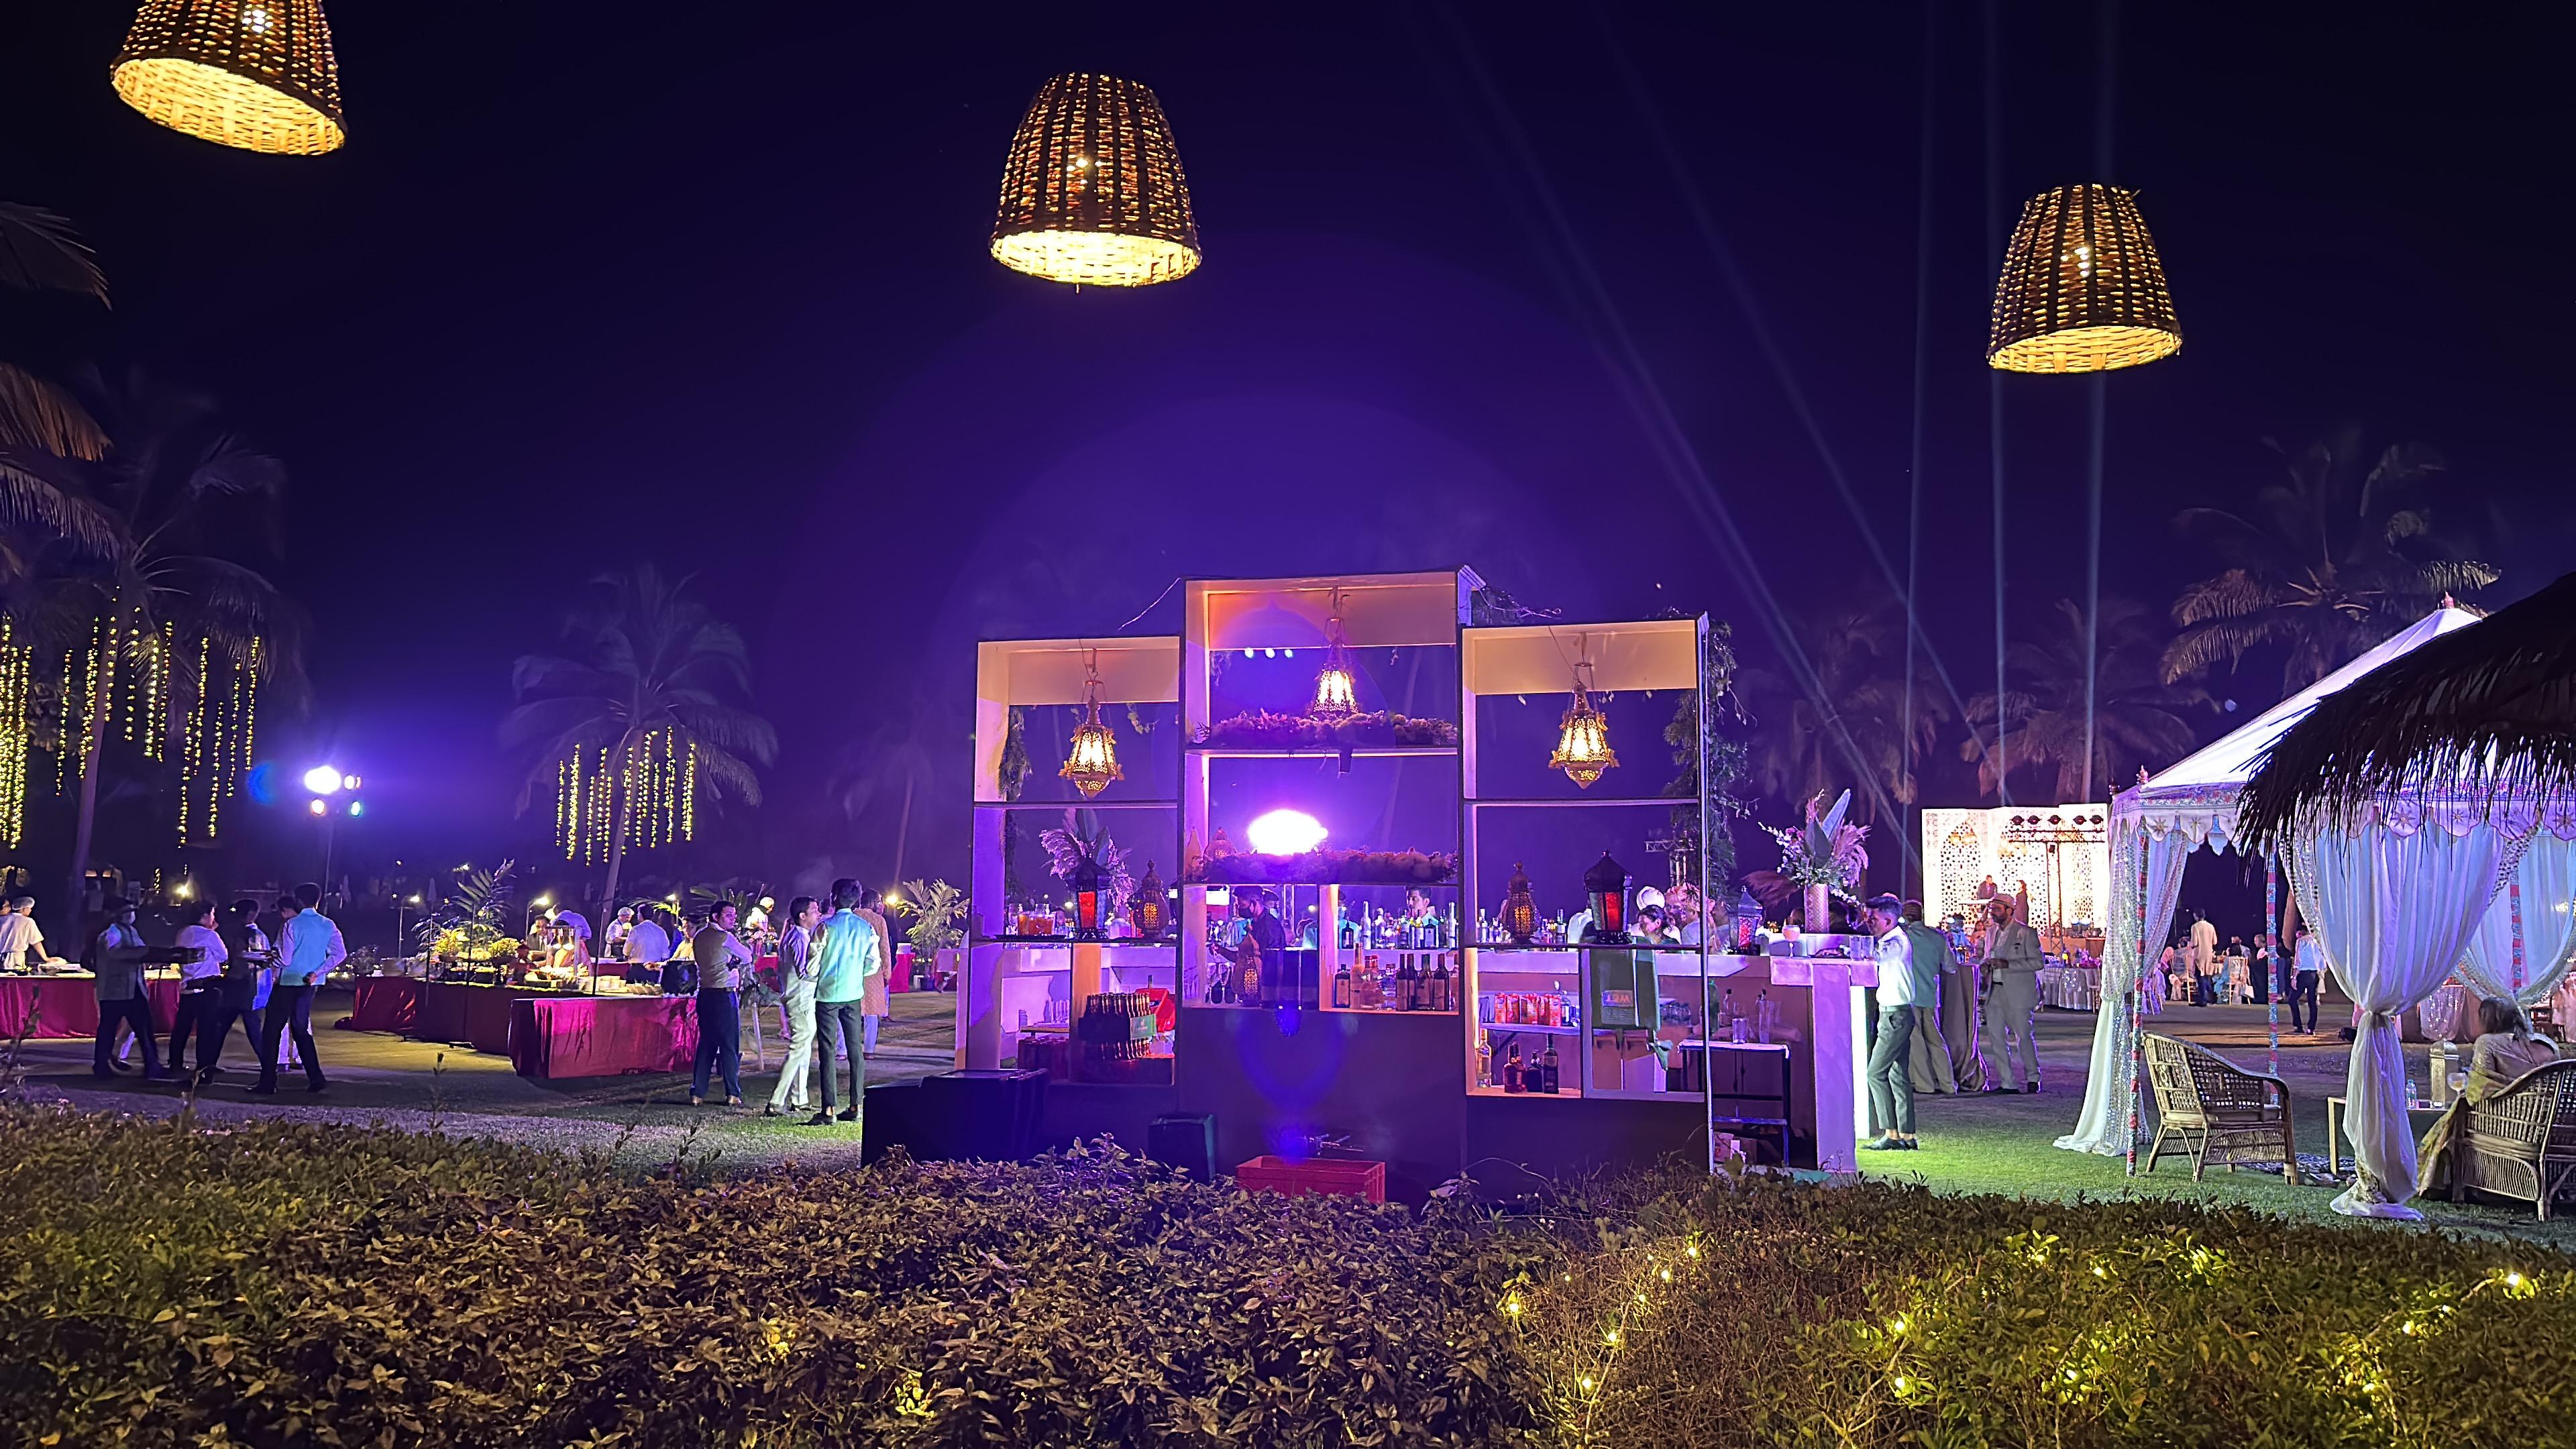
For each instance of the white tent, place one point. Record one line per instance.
(2156, 826)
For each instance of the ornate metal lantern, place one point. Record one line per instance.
(1520, 909)
(257, 74)
(2082, 289)
(1092, 191)
(1092, 762)
(1145, 907)
(1606, 887)
(1086, 899)
(1583, 736)
(1336, 688)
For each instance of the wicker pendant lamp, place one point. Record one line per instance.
(257, 74)
(1092, 191)
(2082, 289)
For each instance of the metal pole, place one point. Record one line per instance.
(2138, 998)
(2272, 937)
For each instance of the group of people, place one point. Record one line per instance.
(832, 985)
(2197, 971)
(230, 972)
(1932, 1005)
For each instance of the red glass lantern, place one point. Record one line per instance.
(1606, 884)
(1520, 909)
(1086, 900)
(1145, 908)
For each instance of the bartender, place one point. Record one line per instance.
(1419, 928)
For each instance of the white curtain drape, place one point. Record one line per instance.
(2103, 1123)
(2394, 912)
(2547, 875)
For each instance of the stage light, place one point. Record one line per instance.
(323, 780)
(1285, 832)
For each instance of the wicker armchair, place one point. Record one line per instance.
(2215, 1111)
(2521, 1141)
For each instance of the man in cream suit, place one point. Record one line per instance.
(2013, 960)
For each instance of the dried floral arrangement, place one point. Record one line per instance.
(1260, 729)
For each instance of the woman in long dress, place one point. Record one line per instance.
(2505, 1049)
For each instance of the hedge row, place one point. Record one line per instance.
(278, 1284)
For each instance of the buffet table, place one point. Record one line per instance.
(602, 1036)
(385, 1003)
(465, 1015)
(67, 1006)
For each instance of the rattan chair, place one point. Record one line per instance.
(2521, 1141)
(2216, 1111)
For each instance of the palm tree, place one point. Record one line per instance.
(1850, 730)
(39, 253)
(2138, 718)
(2334, 560)
(175, 496)
(644, 660)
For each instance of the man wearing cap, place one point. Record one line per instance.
(1891, 1081)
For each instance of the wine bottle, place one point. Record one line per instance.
(1512, 1071)
(1441, 985)
(1547, 1069)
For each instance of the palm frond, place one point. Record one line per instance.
(39, 251)
(38, 414)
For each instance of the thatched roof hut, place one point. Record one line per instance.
(2489, 710)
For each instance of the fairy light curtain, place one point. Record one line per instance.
(656, 785)
(171, 698)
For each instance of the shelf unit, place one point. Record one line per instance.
(1532, 663)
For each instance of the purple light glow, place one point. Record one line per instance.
(1285, 832)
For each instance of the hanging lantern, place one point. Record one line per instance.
(1520, 909)
(1606, 887)
(1086, 900)
(2082, 289)
(1092, 190)
(1583, 736)
(1093, 761)
(257, 74)
(1145, 907)
(1336, 693)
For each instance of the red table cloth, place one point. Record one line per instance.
(385, 1003)
(70, 1005)
(467, 1015)
(602, 1036)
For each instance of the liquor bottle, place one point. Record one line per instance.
(1512, 1071)
(1342, 987)
(1725, 1011)
(1405, 982)
(1248, 971)
(1485, 1061)
(1449, 935)
(1547, 1069)
(1441, 985)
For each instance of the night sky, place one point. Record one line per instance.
(708, 286)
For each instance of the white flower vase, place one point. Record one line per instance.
(1820, 910)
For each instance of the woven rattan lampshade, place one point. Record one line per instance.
(1092, 191)
(256, 74)
(2082, 290)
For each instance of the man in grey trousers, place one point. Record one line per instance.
(2012, 997)
(1935, 972)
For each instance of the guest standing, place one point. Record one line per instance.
(850, 952)
(648, 945)
(1928, 1063)
(2204, 961)
(116, 960)
(201, 983)
(1959, 1006)
(796, 1005)
(720, 957)
(1891, 1082)
(308, 947)
(2012, 998)
(875, 1005)
(247, 957)
(2305, 958)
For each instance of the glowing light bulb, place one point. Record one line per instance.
(323, 780)
(1285, 832)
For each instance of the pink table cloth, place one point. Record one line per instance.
(67, 1006)
(384, 1003)
(602, 1036)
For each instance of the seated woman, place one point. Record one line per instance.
(2505, 1049)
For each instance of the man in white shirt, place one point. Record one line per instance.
(1891, 1079)
(201, 979)
(648, 945)
(21, 944)
(307, 949)
(618, 930)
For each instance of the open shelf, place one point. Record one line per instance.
(1567, 1094)
(1325, 752)
(1575, 802)
(1127, 943)
(1077, 804)
(1505, 1028)
(1534, 949)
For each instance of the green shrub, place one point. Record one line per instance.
(281, 1284)
(288, 1285)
